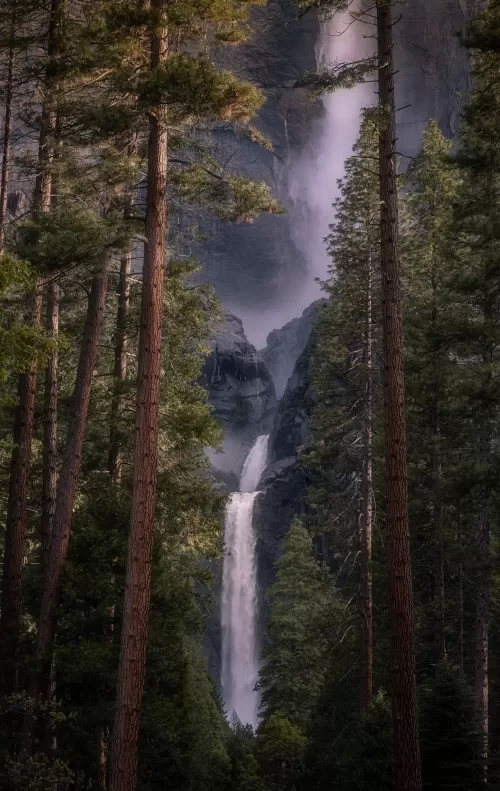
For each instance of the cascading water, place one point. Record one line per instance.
(240, 656)
(314, 173)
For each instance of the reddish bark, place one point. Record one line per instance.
(460, 593)
(406, 751)
(15, 537)
(115, 460)
(366, 593)
(17, 517)
(49, 470)
(124, 751)
(484, 571)
(482, 629)
(67, 487)
(7, 141)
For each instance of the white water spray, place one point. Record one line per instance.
(240, 657)
(314, 175)
(314, 172)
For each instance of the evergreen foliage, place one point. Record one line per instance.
(79, 84)
(302, 607)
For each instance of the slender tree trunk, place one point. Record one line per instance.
(102, 763)
(366, 631)
(406, 751)
(482, 627)
(49, 470)
(17, 518)
(439, 584)
(437, 505)
(484, 572)
(66, 490)
(115, 460)
(460, 595)
(16, 524)
(124, 752)
(7, 140)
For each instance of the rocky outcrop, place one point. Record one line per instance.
(285, 481)
(284, 346)
(241, 392)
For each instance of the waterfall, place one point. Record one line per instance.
(314, 174)
(240, 655)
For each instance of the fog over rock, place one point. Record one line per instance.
(265, 272)
(285, 345)
(241, 392)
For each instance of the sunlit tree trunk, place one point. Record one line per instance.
(124, 751)
(115, 460)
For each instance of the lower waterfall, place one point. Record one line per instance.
(240, 653)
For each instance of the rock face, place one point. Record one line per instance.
(284, 482)
(241, 392)
(284, 346)
(261, 262)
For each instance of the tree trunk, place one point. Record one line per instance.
(115, 460)
(49, 470)
(102, 761)
(17, 517)
(66, 490)
(366, 630)
(439, 585)
(115, 457)
(406, 751)
(124, 752)
(460, 595)
(7, 141)
(48, 120)
(15, 532)
(437, 505)
(482, 627)
(484, 571)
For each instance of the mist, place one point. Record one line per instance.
(311, 180)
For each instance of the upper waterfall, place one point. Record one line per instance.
(314, 174)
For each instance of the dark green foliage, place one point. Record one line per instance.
(299, 629)
(40, 773)
(280, 752)
(244, 773)
(363, 751)
(449, 734)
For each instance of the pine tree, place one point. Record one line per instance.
(301, 604)
(404, 695)
(401, 605)
(16, 524)
(478, 239)
(430, 311)
(346, 414)
(450, 734)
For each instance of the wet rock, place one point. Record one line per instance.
(284, 346)
(241, 392)
(285, 480)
